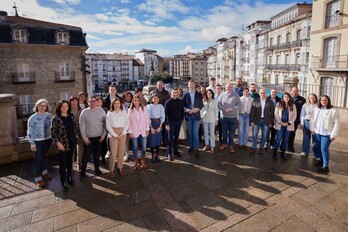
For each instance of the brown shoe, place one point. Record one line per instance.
(261, 151)
(120, 172)
(205, 148)
(252, 150)
(231, 149)
(136, 163)
(222, 146)
(40, 184)
(47, 176)
(212, 151)
(240, 147)
(111, 174)
(143, 162)
(246, 148)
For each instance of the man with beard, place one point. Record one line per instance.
(253, 93)
(238, 89)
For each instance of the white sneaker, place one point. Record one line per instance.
(125, 158)
(107, 155)
(303, 154)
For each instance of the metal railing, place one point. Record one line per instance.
(338, 94)
(330, 62)
(23, 113)
(27, 77)
(60, 78)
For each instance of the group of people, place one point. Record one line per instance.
(104, 127)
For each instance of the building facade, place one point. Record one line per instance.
(40, 60)
(199, 69)
(150, 58)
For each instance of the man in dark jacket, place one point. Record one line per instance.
(110, 96)
(299, 101)
(193, 103)
(272, 132)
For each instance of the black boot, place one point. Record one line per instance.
(282, 155)
(275, 154)
(153, 160)
(158, 158)
(65, 186)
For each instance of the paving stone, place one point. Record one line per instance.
(140, 196)
(112, 204)
(341, 220)
(260, 222)
(5, 211)
(73, 217)
(41, 226)
(204, 200)
(334, 204)
(100, 223)
(54, 210)
(16, 221)
(33, 204)
(72, 228)
(135, 225)
(138, 210)
(279, 212)
(294, 224)
(155, 221)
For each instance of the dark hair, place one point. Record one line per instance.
(191, 81)
(212, 93)
(329, 106)
(282, 103)
(132, 104)
(155, 95)
(85, 102)
(138, 89)
(59, 107)
(113, 86)
(112, 107)
(213, 79)
(124, 96)
(218, 85)
(72, 98)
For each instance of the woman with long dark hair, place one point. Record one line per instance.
(76, 111)
(284, 117)
(325, 124)
(65, 132)
(209, 115)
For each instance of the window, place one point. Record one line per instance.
(19, 36)
(64, 71)
(326, 86)
(332, 16)
(271, 42)
(330, 52)
(287, 59)
(288, 37)
(298, 35)
(279, 39)
(62, 38)
(278, 59)
(270, 60)
(23, 72)
(64, 96)
(26, 105)
(297, 58)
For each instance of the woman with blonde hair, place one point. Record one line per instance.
(39, 136)
(117, 124)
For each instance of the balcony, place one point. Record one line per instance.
(246, 60)
(296, 44)
(23, 78)
(330, 63)
(65, 78)
(295, 67)
(282, 46)
(278, 67)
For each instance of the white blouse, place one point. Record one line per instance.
(117, 120)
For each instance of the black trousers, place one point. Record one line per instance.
(66, 162)
(92, 149)
(292, 135)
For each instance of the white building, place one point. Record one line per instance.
(149, 57)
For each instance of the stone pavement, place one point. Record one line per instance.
(224, 192)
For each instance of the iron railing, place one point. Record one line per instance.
(23, 77)
(330, 62)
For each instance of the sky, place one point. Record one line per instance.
(168, 26)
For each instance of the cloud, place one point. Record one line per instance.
(69, 2)
(163, 9)
(125, 1)
(188, 49)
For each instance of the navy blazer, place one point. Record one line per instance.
(188, 105)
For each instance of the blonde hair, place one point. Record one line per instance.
(35, 109)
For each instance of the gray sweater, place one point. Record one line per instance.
(92, 123)
(229, 100)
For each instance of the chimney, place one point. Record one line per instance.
(3, 15)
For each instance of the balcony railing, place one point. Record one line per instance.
(295, 67)
(296, 43)
(280, 67)
(282, 46)
(19, 78)
(65, 78)
(330, 62)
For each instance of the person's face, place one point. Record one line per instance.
(82, 98)
(159, 86)
(295, 92)
(324, 101)
(64, 108)
(74, 103)
(92, 103)
(228, 88)
(175, 94)
(112, 90)
(136, 102)
(273, 93)
(128, 98)
(117, 105)
(286, 98)
(312, 99)
(179, 93)
(253, 88)
(246, 92)
(191, 85)
(139, 94)
(99, 103)
(202, 89)
(209, 95)
(155, 100)
(218, 90)
(238, 82)
(262, 94)
(212, 82)
(42, 107)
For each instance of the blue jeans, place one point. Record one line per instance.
(321, 148)
(209, 133)
(193, 127)
(283, 136)
(142, 141)
(307, 137)
(173, 140)
(264, 132)
(243, 131)
(41, 158)
(228, 127)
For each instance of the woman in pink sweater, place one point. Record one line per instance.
(138, 129)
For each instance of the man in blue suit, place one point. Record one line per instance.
(193, 103)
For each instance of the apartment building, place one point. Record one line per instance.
(150, 58)
(329, 50)
(211, 62)
(287, 52)
(199, 69)
(179, 67)
(229, 59)
(114, 68)
(221, 45)
(40, 60)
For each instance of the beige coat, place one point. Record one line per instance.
(278, 116)
(331, 121)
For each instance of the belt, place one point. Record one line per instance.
(155, 119)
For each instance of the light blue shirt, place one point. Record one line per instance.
(192, 95)
(156, 111)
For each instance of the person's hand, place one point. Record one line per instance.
(152, 130)
(131, 136)
(158, 130)
(300, 126)
(216, 123)
(60, 146)
(101, 138)
(120, 136)
(190, 111)
(147, 133)
(252, 124)
(313, 133)
(332, 139)
(167, 128)
(33, 148)
(86, 141)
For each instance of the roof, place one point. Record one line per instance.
(146, 50)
